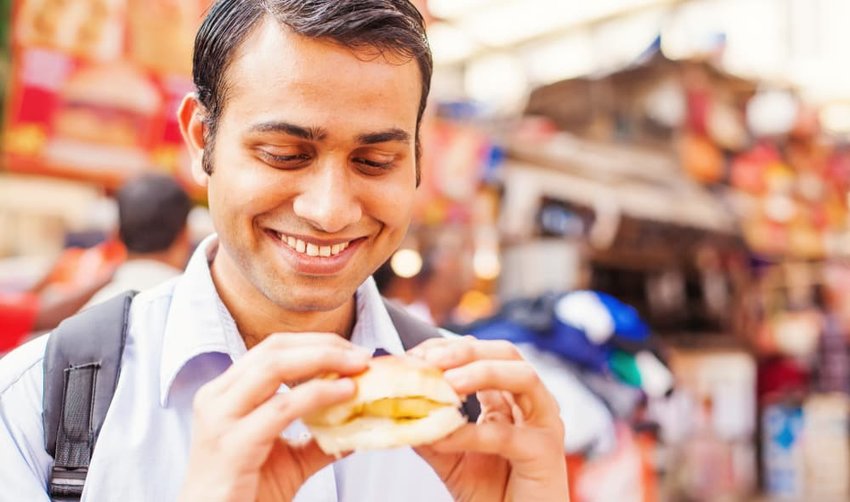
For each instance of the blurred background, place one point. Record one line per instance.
(650, 197)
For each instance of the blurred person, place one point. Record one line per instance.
(393, 286)
(442, 282)
(305, 132)
(152, 216)
(43, 307)
(434, 293)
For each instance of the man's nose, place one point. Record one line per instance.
(328, 199)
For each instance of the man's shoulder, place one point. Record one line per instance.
(23, 362)
(151, 307)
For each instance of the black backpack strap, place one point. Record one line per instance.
(81, 367)
(412, 332)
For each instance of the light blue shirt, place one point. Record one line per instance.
(182, 336)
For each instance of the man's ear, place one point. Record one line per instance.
(191, 116)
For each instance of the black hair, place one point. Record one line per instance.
(152, 211)
(395, 26)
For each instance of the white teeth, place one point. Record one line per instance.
(311, 249)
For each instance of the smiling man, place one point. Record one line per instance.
(305, 132)
(310, 175)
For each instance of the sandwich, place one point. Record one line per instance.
(399, 402)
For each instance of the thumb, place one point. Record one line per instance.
(310, 457)
(288, 467)
(442, 463)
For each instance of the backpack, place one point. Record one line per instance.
(81, 367)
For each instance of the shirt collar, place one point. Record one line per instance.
(199, 323)
(374, 328)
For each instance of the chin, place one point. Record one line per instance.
(314, 301)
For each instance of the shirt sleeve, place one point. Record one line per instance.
(25, 462)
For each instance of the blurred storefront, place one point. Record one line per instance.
(634, 189)
(689, 159)
(94, 87)
(91, 91)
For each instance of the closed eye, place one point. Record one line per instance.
(295, 160)
(372, 163)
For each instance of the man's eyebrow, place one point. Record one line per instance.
(394, 134)
(308, 133)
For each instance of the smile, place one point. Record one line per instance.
(309, 248)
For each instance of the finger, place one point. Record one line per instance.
(436, 343)
(267, 421)
(451, 353)
(442, 463)
(516, 377)
(281, 342)
(259, 382)
(288, 467)
(494, 407)
(492, 438)
(311, 459)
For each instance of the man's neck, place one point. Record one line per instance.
(257, 317)
(256, 324)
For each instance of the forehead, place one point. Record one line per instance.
(275, 66)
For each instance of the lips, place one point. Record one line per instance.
(310, 248)
(315, 258)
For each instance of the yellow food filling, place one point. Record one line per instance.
(400, 408)
(397, 409)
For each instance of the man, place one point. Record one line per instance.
(152, 213)
(304, 131)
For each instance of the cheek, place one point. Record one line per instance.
(239, 189)
(392, 205)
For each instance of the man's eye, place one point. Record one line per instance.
(385, 164)
(293, 160)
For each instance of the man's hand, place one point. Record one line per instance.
(515, 451)
(237, 453)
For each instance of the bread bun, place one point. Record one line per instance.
(399, 402)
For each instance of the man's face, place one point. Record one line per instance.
(313, 169)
